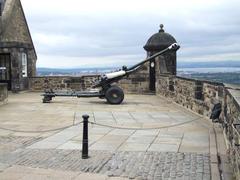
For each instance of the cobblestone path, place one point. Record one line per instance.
(140, 165)
(12, 143)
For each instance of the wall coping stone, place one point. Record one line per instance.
(235, 94)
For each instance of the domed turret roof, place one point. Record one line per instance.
(159, 41)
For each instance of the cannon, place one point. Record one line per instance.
(105, 88)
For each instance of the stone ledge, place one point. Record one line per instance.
(235, 94)
(3, 93)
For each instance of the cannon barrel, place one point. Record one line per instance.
(109, 78)
(173, 47)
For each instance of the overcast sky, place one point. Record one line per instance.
(86, 33)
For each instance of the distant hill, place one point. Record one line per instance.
(72, 71)
(187, 69)
(227, 77)
(208, 64)
(99, 70)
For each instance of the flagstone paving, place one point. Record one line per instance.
(181, 152)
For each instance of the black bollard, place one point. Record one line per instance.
(85, 137)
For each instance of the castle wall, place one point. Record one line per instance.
(200, 97)
(41, 83)
(138, 82)
(3, 93)
(232, 129)
(131, 84)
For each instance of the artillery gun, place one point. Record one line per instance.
(104, 87)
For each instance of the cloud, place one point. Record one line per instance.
(99, 31)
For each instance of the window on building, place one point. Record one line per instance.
(0, 8)
(24, 64)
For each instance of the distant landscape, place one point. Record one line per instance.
(220, 71)
(213, 64)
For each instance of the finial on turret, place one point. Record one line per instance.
(161, 28)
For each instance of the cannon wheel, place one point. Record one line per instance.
(46, 99)
(114, 95)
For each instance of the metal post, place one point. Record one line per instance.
(85, 137)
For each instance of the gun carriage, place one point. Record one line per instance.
(105, 87)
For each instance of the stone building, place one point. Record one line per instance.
(17, 53)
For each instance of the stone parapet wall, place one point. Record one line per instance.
(131, 84)
(231, 124)
(135, 84)
(200, 97)
(138, 82)
(62, 82)
(3, 93)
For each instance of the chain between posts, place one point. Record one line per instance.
(43, 131)
(85, 131)
(149, 128)
(103, 125)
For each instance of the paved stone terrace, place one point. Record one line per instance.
(181, 152)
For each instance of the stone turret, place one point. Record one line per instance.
(165, 64)
(159, 41)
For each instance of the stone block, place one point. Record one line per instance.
(3, 93)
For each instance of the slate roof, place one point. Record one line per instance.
(14, 27)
